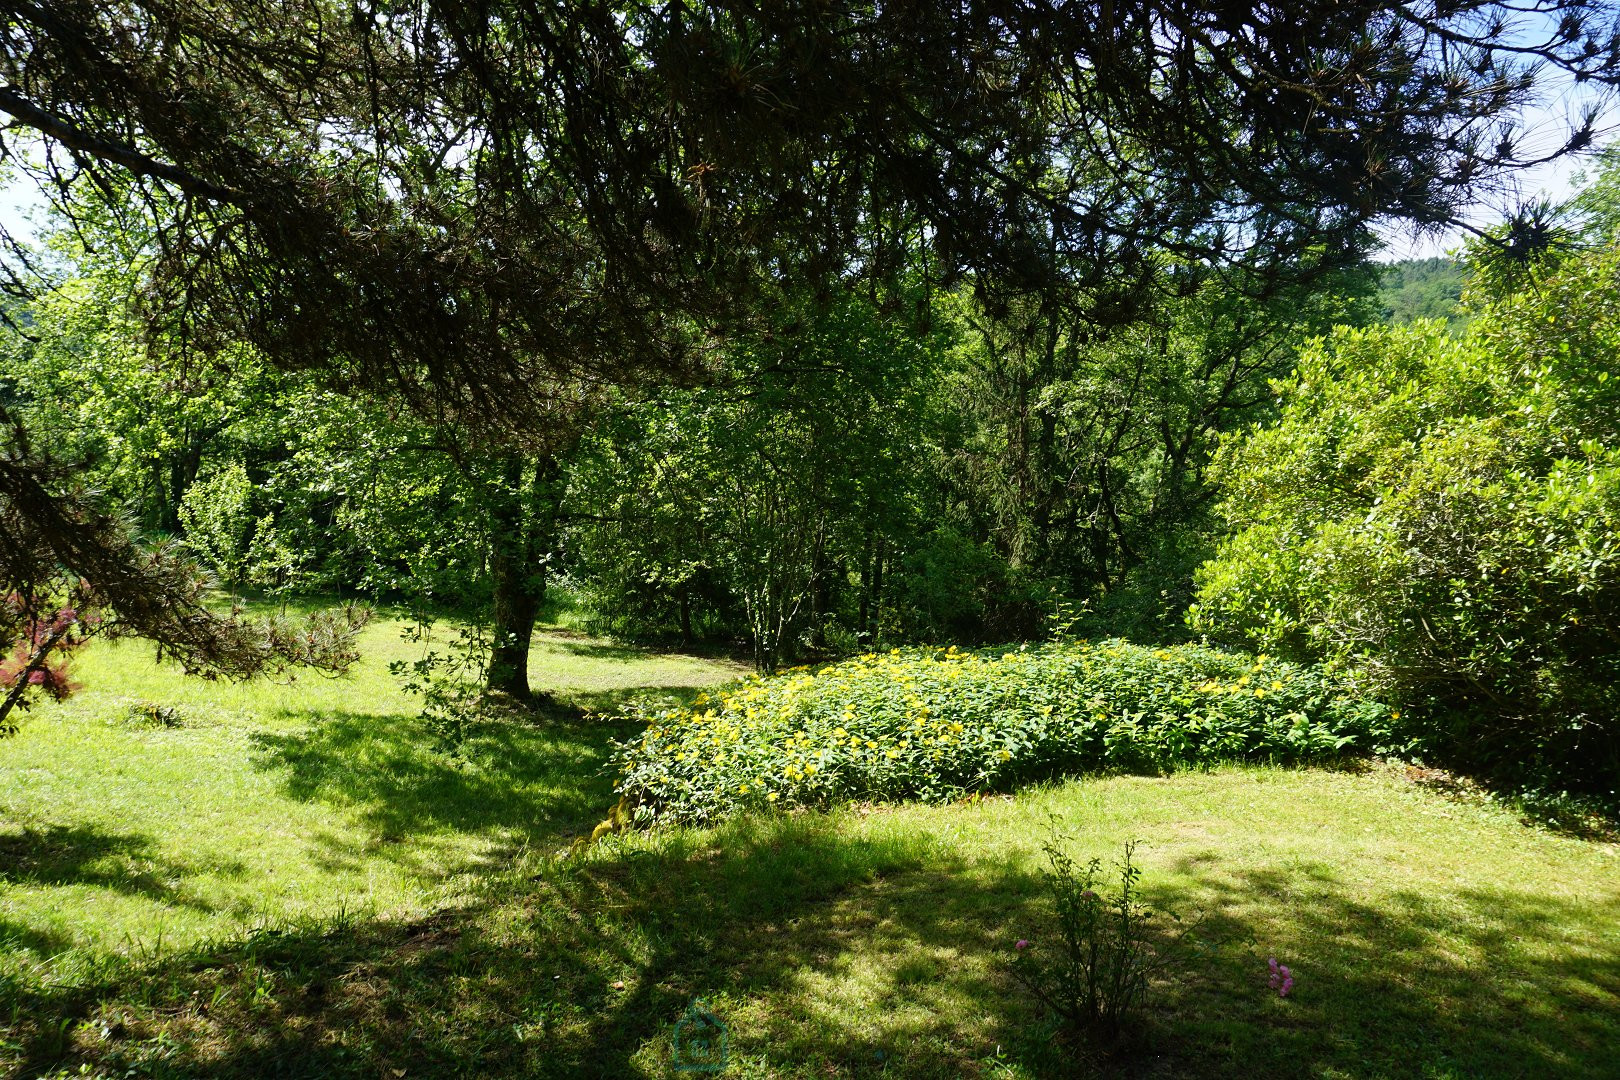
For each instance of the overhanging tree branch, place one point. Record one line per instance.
(55, 127)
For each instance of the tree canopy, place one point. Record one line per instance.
(497, 212)
(557, 194)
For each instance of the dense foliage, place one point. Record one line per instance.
(1421, 289)
(1083, 460)
(763, 508)
(861, 482)
(1443, 514)
(499, 216)
(935, 723)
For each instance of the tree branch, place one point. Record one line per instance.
(71, 136)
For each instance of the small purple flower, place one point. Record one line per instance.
(1088, 895)
(1282, 980)
(1021, 944)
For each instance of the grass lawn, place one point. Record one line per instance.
(271, 802)
(412, 920)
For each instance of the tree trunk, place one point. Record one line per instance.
(863, 621)
(820, 593)
(875, 596)
(523, 532)
(687, 640)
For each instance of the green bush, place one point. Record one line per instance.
(936, 723)
(217, 519)
(1443, 515)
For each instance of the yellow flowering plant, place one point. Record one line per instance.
(937, 723)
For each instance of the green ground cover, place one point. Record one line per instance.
(120, 835)
(300, 889)
(938, 723)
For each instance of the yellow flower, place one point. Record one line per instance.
(1006, 755)
(742, 789)
(841, 733)
(810, 770)
(892, 754)
(870, 745)
(771, 797)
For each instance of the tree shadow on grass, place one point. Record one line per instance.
(576, 644)
(1465, 982)
(16, 936)
(79, 854)
(829, 954)
(594, 649)
(583, 968)
(506, 777)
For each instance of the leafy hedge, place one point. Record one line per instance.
(933, 724)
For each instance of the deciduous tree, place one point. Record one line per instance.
(494, 210)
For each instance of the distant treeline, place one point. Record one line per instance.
(1421, 289)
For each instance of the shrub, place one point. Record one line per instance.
(1093, 971)
(936, 723)
(151, 714)
(216, 516)
(1441, 514)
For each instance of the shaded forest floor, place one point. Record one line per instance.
(291, 882)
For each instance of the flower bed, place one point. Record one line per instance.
(937, 723)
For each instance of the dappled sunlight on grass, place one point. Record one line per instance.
(1427, 939)
(505, 779)
(273, 800)
(309, 887)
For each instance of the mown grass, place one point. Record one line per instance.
(1428, 939)
(276, 801)
(1430, 936)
